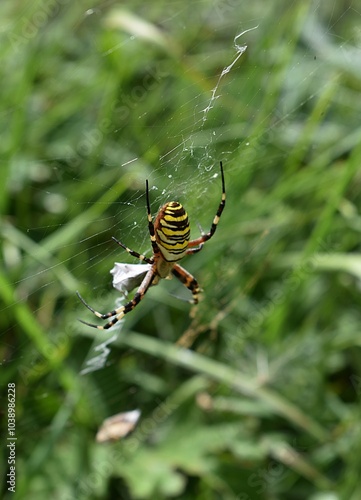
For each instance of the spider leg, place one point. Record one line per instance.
(150, 222)
(188, 280)
(199, 241)
(117, 314)
(190, 251)
(134, 254)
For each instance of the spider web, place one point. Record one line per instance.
(171, 162)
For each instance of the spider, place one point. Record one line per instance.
(169, 236)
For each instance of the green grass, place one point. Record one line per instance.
(255, 393)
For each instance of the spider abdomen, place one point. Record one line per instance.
(172, 231)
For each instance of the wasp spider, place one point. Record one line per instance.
(169, 236)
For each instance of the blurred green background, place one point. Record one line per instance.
(254, 393)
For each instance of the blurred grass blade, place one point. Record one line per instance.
(225, 375)
(141, 28)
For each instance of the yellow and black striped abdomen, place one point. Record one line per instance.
(172, 231)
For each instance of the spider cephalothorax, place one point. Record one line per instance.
(169, 236)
